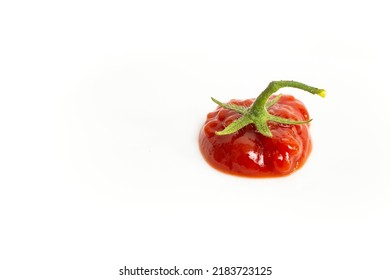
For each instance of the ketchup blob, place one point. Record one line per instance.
(249, 153)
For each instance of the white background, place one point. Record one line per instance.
(101, 103)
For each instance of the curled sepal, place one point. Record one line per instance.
(286, 121)
(258, 114)
(273, 101)
(237, 108)
(235, 126)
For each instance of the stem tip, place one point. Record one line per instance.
(322, 93)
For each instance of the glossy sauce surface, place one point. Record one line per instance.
(251, 154)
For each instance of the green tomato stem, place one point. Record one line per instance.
(258, 113)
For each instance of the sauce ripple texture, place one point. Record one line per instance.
(249, 153)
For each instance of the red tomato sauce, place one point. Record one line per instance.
(251, 154)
